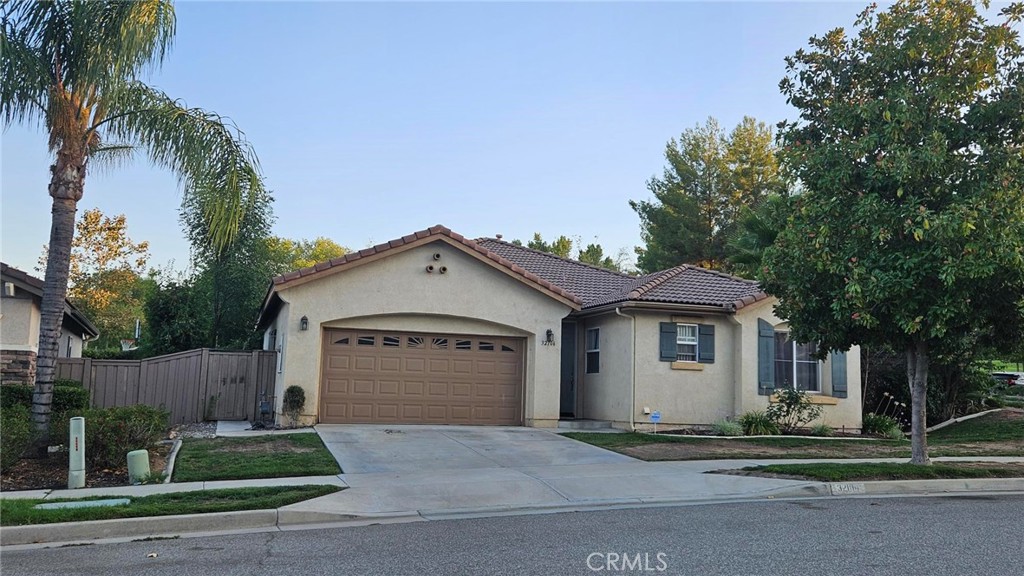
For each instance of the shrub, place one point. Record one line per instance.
(111, 433)
(16, 395)
(67, 382)
(757, 423)
(895, 433)
(822, 430)
(293, 402)
(65, 397)
(15, 435)
(727, 428)
(792, 409)
(879, 424)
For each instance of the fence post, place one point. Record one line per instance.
(204, 384)
(87, 377)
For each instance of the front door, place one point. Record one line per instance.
(568, 398)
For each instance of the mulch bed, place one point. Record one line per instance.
(52, 472)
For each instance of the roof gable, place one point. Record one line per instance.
(433, 234)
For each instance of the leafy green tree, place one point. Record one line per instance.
(709, 179)
(233, 279)
(287, 255)
(910, 231)
(756, 229)
(178, 318)
(106, 276)
(561, 246)
(593, 254)
(74, 67)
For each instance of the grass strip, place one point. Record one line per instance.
(271, 456)
(837, 472)
(19, 512)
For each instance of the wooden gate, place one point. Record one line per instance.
(193, 386)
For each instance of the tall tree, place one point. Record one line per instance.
(709, 178)
(233, 280)
(561, 246)
(75, 66)
(910, 147)
(106, 275)
(287, 255)
(593, 254)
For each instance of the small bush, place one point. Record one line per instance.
(822, 430)
(895, 433)
(757, 423)
(16, 395)
(65, 397)
(727, 428)
(67, 382)
(792, 409)
(111, 433)
(879, 424)
(293, 403)
(15, 435)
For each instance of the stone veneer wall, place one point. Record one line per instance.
(17, 367)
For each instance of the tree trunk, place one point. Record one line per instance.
(66, 186)
(917, 377)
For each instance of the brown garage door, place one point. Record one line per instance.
(410, 378)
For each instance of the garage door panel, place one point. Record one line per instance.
(391, 377)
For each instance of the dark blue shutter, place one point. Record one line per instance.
(839, 374)
(668, 349)
(706, 343)
(765, 358)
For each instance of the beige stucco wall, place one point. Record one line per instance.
(703, 393)
(19, 324)
(699, 395)
(396, 293)
(607, 395)
(845, 413)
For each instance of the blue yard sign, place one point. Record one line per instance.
(655, 417)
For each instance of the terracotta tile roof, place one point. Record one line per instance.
(587, 282)
(587, 286)
(525, 273)
(598, 287)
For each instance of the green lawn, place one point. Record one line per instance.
(880, 471)
(271, 456)
(17, 511)
(1000, 434)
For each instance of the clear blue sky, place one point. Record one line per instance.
(375, 120)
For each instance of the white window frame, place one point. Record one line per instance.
(684, 341)
(795, 362)
(588, 350)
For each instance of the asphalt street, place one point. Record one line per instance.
(973, 535)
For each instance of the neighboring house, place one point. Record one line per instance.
(20, 304)
(436, 328)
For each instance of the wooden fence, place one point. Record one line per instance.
(194, 386)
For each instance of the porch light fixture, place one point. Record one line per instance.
(304, 324)
(549, 337)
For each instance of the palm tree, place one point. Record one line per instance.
(74, 67)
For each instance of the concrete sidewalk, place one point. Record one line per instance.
(393, 474)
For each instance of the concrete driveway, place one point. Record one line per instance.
(362, 449)
(444, 471)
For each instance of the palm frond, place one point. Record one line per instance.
(24, 76)
(214, 163)
(108, 157)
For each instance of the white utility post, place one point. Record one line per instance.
(76, 453)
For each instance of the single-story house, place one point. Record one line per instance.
(435, 328)
(20, 308)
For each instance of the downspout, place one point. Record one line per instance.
(632, 403)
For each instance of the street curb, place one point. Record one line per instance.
(901, 487)
(136, 527)
(289, 519)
